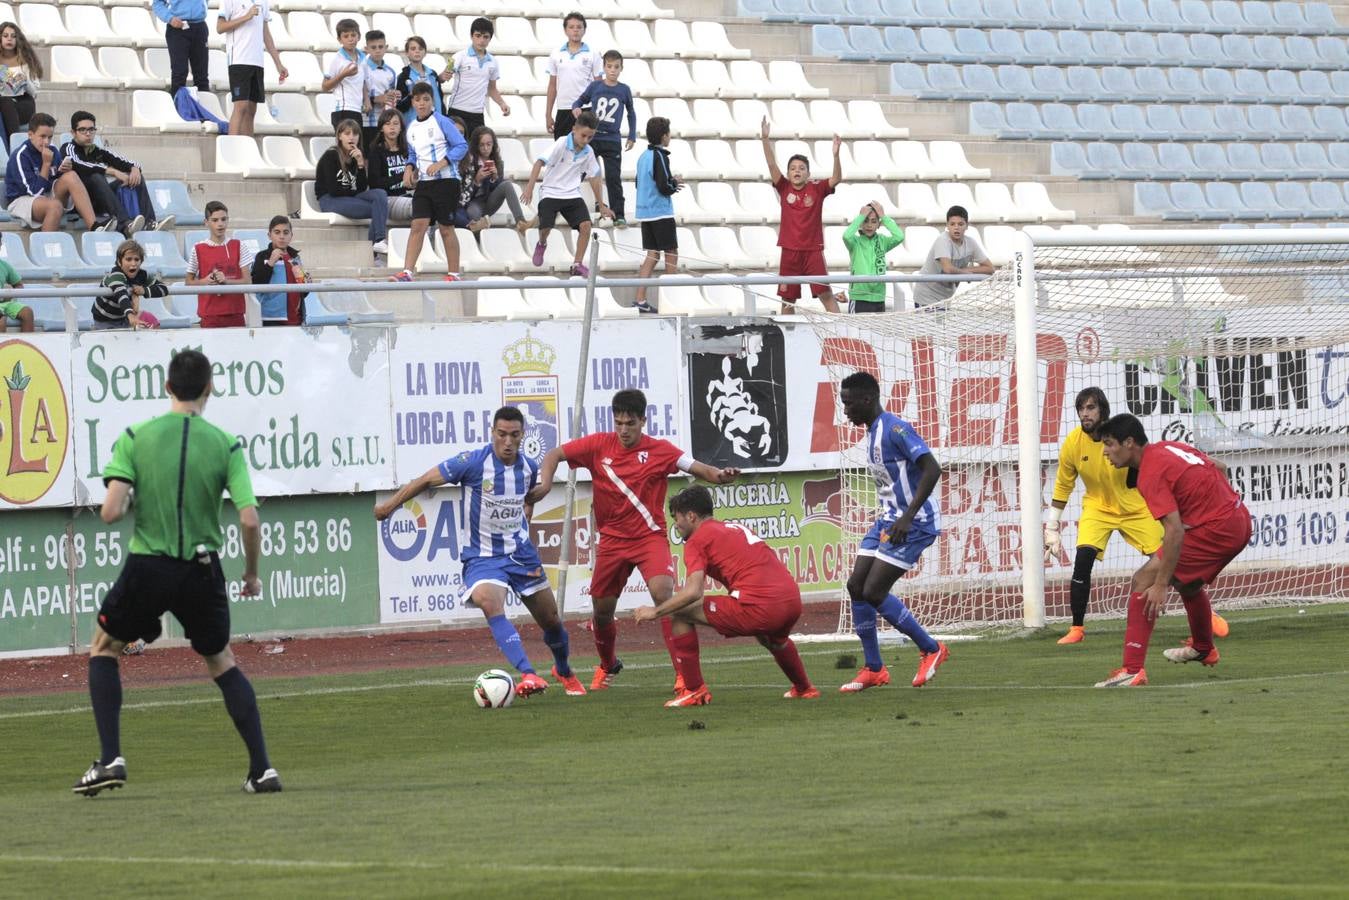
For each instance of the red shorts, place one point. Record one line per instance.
(751, 617)
(233, 320)
(615, 558)
(801, 262)
(1208, 548)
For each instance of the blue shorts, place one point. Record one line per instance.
(902, 556)
(522, 572)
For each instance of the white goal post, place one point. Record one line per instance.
(1233, 340)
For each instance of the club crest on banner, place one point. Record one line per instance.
(531, 386)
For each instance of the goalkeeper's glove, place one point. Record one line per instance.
(1053, 543)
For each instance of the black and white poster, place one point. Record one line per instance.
(738, 395)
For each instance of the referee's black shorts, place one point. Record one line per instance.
(149, 586)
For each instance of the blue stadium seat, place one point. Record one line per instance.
(1259, 200)
(1050, 83)
(1283, 87)
(1225, 201)
(315, 313)
(980, 82)
(1004, 12)
(1034, 13)
(99, 248)
(1186, 85)
(1332, 51)
(49, 313)
(1315, 87)
(1137, 160)
(831, 40)
(1210, 162)
(57, 251)
(1219, 84)
(868, 43)
(945, 82)
(1322, 20)
(1042, 47)
(1278, 160)
(1084, 85)
(1152, 85)
(988, 118)
(161, 254)
(1205, 51)
(1134, 14)
(170, 198)
(1164, 120)
(1094, 123)
(972, 45)
(1200, 125)
(1259, 17)
(1131, 123)
(1239, 50)
(1024, 119)
(1174, 163)
(938, 46)
(1263, 123)
(757, 9)
(13, 252)
(1189, 201)
(1069, 158)
(1144, 48)
(1152, 200)
(1298, 124)
(1080, 48)
(968, 13)
(1243, 162)
(1197, 16)
(167, 319)
(1016, 84)
(1339, 82)
(1107, 49)
(1166, 15)
(902, 42)
(1067, 14)
(1313, 162)
(1006, 46)
(1296, 203)
(1119, 83)
(1271, 51)
(1060, 122)
(1230, 122)
(865, 11)
(932, 12)
(1289, 16)
(1326, 201)
(909, 80)
(1227, 15)
(1338, 154)
(1100, 14)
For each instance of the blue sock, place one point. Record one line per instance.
(508, 639)
(897, 614)
(558, 641)
(105, 696)
(242, 705)
(864, 623)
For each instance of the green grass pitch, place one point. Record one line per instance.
(1009, 776)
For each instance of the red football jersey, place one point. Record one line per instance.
(1175, 476)
(735, 557)
(628, 485)
(802, 228)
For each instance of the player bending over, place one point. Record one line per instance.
(762, 599)
(1204, 526)
(1110, 505)
(905, 472)
(628, 471)
(498, 555)
(180, 466)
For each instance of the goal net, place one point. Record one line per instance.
(1239, 349)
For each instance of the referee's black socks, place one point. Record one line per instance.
(242, 705)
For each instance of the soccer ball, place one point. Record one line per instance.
(494, 689)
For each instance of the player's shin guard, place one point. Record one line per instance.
(1079, 590)
(242, 705)
(1200, 613)
(1137, 633)
(789, 661)
(684, 648)
(508, 639)
(897, 614)
(864, 623)
(105, 696)
(558, 642)
(606, 636)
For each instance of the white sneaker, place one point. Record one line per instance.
(165, 223)
(136, 224)
(380, 248)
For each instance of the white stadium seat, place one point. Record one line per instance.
(952, 155)
(759, 201)
(123, 64)
(91, 24)
(867, 116)
(760, 246)
(136, 26)
(1031, 195)
(155, 109)
(75, 65)
(911, 161)
(994, 202)
(635, 39)
(309, 208)
(42, 24)
(917, 242)
(917, 203)
(719, 157)
(693, 257)
(297, 114)
(674, 79)
(953, 193)
(710, 37)
(723, 247)
(287, 153)
(503, 247)
(239, 155)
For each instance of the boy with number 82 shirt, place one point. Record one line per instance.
(629, 472)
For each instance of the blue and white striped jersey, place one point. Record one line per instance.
(494, 495)
(893, 451)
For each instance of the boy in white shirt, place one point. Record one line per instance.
(381, 78)
(571, 68)
(244, 25)
(435, 147)
(570, 159)
(475, 79)
(348, 77)
(953, 253)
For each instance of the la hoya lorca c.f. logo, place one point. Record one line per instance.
(34, 423)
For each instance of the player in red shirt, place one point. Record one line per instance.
(628, 471)
(1204, 526)
(764, 601)
(801, 234)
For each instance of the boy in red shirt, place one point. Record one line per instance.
(801, 235)
(629, 471)
(763, 601)
(1204, 526)
(218, 260)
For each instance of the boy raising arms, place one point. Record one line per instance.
(629, 472)
(801, 235)
(570, 160)
(867, 248)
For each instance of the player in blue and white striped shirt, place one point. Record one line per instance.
(906, 473)
(498, 555)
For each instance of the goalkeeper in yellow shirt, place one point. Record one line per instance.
(1110, 505)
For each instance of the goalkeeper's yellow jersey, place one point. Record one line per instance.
(1107, 492)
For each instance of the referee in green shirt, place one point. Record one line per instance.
(179, 466)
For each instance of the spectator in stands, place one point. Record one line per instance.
(185, 35)
(475, 73)
(568, 161)
(608, 99)
(215, 261)
(413, 73)
(953, 253)
(41, 184)
(247, 37)
(342, 186)
(801, 235)
(13, 309)
(656, 185)
(279, 263)
(485, 186)
(95, 165)
(20, 72)
(435, 147)
(571, 68)
(867, 249)
(386, 160)
(383, 94)
(130, 283)
(347, 76)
